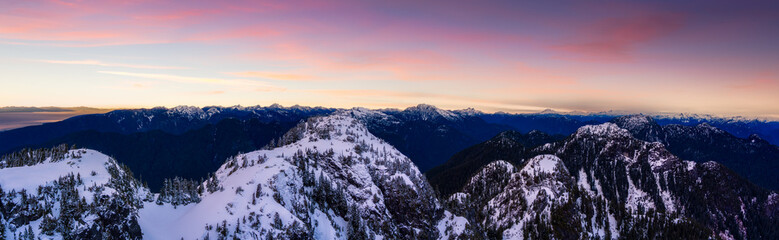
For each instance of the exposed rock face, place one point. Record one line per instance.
(510, 146)
(329, 179)
(601, 182)
(752, 158)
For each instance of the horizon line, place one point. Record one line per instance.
(549, 111)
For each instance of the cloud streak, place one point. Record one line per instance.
(574, 55)
(255, 85)
(106, 64)
(274, 76)
(615, 39)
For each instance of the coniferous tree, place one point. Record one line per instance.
(277, 221)
(48, 225)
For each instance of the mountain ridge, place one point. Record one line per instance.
(612, 185)
(330, 177)
(753, 158)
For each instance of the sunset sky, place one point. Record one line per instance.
(716, 57)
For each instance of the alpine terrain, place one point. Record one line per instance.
(603, 183)
(330, 177)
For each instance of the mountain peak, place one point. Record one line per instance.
(709, 127)
(468, 112)
(602, 130)
(426, 111)
(546, 163)
(361, 112)
(634, 120)
(275, 105)
(640, 125)
(329, 171)
(190, 112)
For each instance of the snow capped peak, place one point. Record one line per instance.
(546, 163)
(539, 185)
(636, 121)
(498, 166)
(426, 112)
(468, 112)
(602, 130)
(275, 105)
(190, 112)
(363, 113)
(328, 176)
(212, 111)
(548, 111)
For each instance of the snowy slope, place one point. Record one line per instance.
(532, 190)
(332, 178)
(30, 177)
(453, 227)
(81, 194)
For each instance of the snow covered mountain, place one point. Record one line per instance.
(510, 146)
(177, 120)
(329, 179)
(427, 134)
(752, 158)
(191, 142)
(161, 143)
(566, 123)
(64, 193)
(602, 183)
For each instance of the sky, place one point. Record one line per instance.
(713, 57)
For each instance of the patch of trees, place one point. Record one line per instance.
(179, 191)
(29, 156)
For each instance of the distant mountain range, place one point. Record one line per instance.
(330, 177)
(162, 138)
(158, 143)
(753, 158)
(561, 123)
(204, 137)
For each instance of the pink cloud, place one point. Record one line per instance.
(274, 76)
(763, 81)
(542, 75)
(250, 33)
(108, 64)
(615, 39)
(316, 64)
(176, 14)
